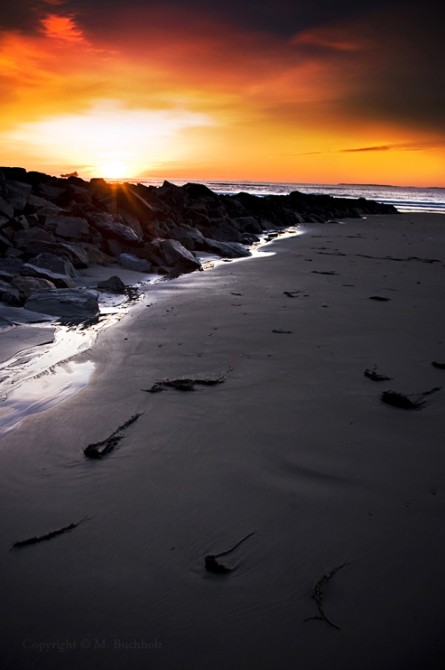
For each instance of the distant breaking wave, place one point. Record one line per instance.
(404, 198)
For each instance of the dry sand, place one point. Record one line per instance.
(294, 446)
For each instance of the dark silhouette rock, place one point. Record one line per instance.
(134, 263)
(10, 268)
(69, 227)
(75, 305)
(59, 280)
(6, 209)
(109, 226)
(10, 294)
(113, 284)
(177, 256)
(26, 286)
(57, 264)
(225, 249)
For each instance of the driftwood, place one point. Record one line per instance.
(318, 596)
(292, 294)
(100, 449)
(439, 366)
(184, 383)
(48, 536)
(376, 376)
(212, 565)
(324, 272)
(405, 402)
(379, 298)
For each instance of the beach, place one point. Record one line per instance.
(335, 498)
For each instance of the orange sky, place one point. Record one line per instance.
(145, 92)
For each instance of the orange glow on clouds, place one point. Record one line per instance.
(201, 100)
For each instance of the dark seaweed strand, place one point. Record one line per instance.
(229, 551)
(125, 425)
(111, 441)
(317, 595)
(50, 535)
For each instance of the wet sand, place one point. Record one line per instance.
(295, 446)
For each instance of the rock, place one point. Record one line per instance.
(177, 256)
(36, 203)
(59, 280)
(97, 256)
(222, 231)
(9, 268)
(5, 244)
(50, 192)
(14, 173)
(25, 239)
(26, 286)
(18, 194)
(191, 238)
(113, 284)
(134, 263)
(6, 209)
(132, 222)
(70, 305)
(69, 227)
(226, 249)
(57, 264)
(10, 294)
(109, 226)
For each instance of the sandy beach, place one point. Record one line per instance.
(343, 494)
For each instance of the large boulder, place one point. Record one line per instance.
(74, 252)
(17, 194)
(177, 256)
(134, 263)
(10, 294)
(109, 226)
(191, 238)
(10, 268)
(69, 227)
(57, 264)
(59, 280)
(26, 286)
(70, 305)
(225, 249)
(6, 209)
(113, 284)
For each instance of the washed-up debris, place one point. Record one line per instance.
(184, 383)
(404, 401)
(376, 376)
(439, 366)
(212, 565)
(48, 536)
(292, 294)
(100, 449)
(282, 332)
(379, 298)
(324, 272)
(318, 596)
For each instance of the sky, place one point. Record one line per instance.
(292, 90)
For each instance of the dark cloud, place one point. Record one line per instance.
(284, 17)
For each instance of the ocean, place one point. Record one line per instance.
(404, 198)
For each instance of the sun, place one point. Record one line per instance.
(114, 170)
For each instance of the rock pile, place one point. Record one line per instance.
(50, 227)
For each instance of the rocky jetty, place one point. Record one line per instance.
(50, 227)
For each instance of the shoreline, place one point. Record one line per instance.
(52, 351)
(294, 446)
